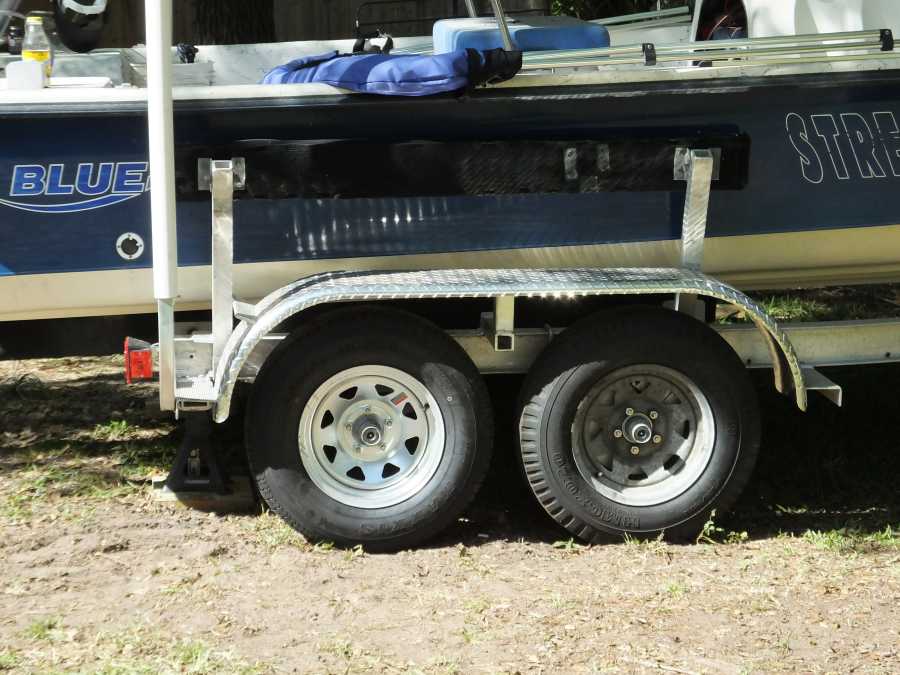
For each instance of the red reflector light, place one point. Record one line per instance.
(138, 360)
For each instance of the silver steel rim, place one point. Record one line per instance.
(643, 435)
(371, 437)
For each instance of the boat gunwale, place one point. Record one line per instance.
(289, 97)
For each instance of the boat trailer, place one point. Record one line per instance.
(200, 366)
(209, 360)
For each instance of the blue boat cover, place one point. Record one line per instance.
(400, 75)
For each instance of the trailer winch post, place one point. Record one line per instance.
(222, 178)
(508, 44)
(158, 15)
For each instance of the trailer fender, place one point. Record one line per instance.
(258, 321)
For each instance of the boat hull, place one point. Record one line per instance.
(845, 257)
(814, 202)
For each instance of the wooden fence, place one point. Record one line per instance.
(298, 19)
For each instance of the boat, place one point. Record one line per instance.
(572, 163)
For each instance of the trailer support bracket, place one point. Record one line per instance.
(222, 178)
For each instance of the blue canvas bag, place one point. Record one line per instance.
(400, 75)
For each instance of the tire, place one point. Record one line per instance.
(373, 427)
(593, 456)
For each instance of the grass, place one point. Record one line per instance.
(793, 308)
(783, 308)
(715, 534)
(569, 546)
(848, 540)
(477, 606)
(42, 629)
(272, 533)
(185, 656)
(341, 648)
(114, 430)
(676, 590)
(354, 553)
(51, 472)
(833, 304)
(9, 660)
(656, 546)
(136, 651)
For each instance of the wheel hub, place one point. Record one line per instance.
(369, 430)
(643, 435)
(638, 428)
(371, 436)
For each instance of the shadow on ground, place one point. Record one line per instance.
(828, 469)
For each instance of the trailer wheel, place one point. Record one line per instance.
(371, 428)
(638, 421)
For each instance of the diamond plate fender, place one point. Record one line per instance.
(340, 287)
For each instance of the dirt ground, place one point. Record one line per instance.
(97, 576)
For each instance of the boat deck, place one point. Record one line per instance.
(234, 71)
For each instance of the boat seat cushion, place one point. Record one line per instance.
(531, 34)
(400, 75)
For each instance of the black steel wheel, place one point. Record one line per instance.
(370, 427)
(638, 421)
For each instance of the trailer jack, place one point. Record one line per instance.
(198, 467)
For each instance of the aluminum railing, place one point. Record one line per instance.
(683, 11)
(790, 49)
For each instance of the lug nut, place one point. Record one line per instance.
(629, 412)
(617, 433)
(349, 427)
(654, 415)
(635, 450)
(657, 439)
(389, 422)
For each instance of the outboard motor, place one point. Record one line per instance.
(80, 23)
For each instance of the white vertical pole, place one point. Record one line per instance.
(162, 187)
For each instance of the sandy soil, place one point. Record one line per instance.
(99, 577)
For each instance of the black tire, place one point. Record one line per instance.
(592, 352)
(351, 338)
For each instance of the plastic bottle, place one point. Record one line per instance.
(36, 46)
